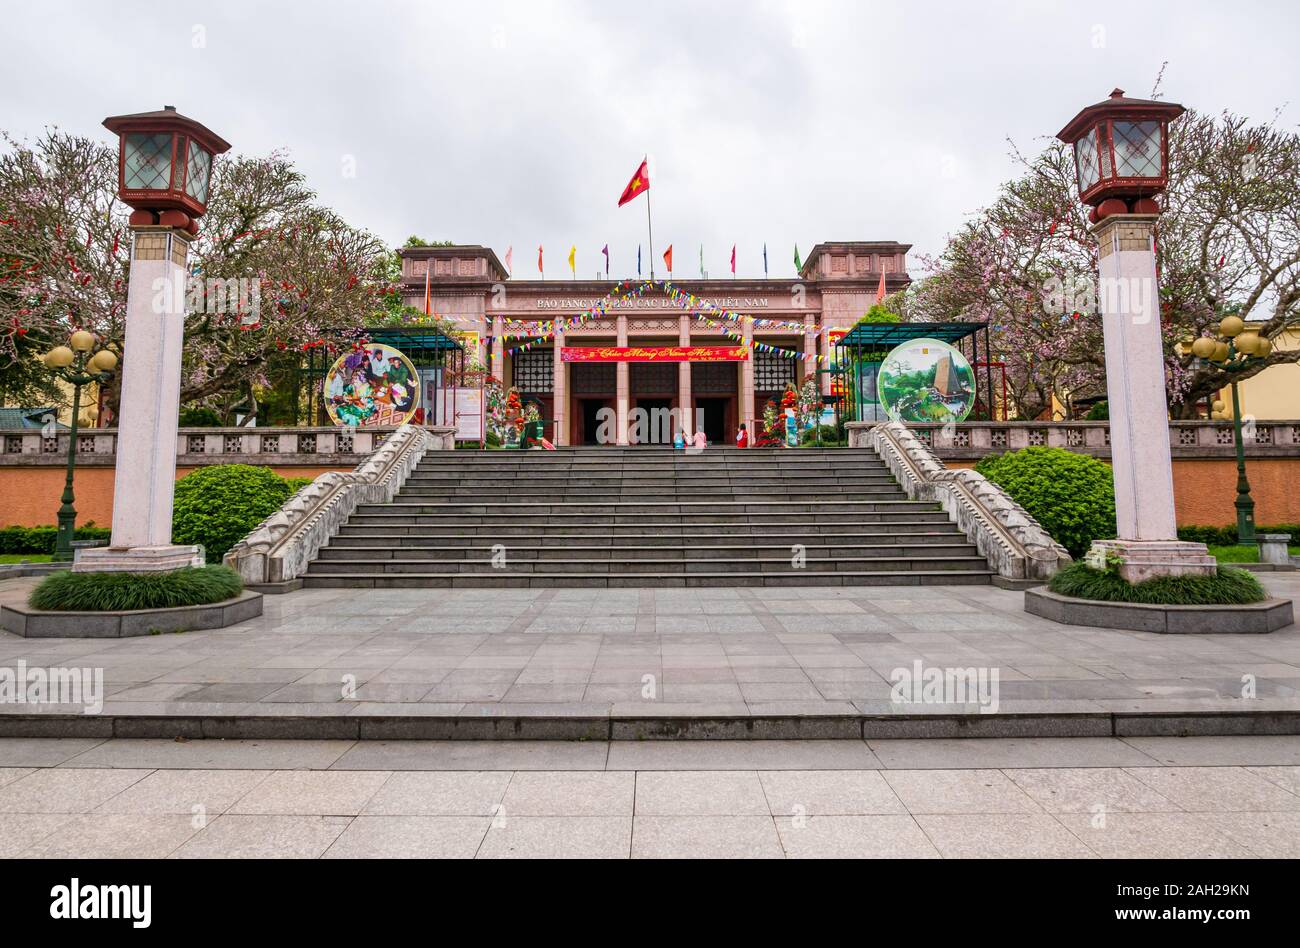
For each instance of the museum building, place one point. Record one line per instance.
(468, 285)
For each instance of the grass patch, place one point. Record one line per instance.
(29, 557)
(1235, 554)
(1228, 587)
(102, 592)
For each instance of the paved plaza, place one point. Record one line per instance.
(1065, 797)
(797, 651)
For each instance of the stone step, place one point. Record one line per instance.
(704, 519)
(495, 579)
(701, 480)
(614, 508)
(378, 538)
(585, 551)
(606, 495)
(784, 564)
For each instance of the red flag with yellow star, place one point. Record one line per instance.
(640, 182)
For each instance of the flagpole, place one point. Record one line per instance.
(651, 232)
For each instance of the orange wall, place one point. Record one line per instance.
(1204, 490)
(29, 496)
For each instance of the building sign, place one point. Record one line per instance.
(654, 354)
(581, 303)
(373, 384)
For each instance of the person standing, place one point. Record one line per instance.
(742, 438)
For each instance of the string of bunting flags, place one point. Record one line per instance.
(544, 330)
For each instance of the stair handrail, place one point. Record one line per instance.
(279, 549)
(1006, 535)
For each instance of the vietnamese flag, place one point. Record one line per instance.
(640, 182)
(880, 290)
(539, 260)
(668, 259)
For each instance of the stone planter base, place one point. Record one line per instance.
(1258, 617)
(38, 624)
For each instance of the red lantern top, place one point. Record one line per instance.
(1121, 148)
(164, 165)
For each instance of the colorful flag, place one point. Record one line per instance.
(880, 290)
(638, 259)
(539, 261)
(573, 254)
(798, 264)
(764, 258)
(605, 251)
(668, 259)
(640, 182)
(733, 260)
(510, 252)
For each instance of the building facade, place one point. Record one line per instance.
(793, 321)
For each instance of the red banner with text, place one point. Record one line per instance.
(654, 354)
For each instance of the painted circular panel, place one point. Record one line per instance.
(926, 381)
(373, 384)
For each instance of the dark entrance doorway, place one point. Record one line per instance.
(655, 424)
(712, 413)
(589, 419)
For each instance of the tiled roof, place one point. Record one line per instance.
(25, 419)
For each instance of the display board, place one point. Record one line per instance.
(926, 381)
(373, 384)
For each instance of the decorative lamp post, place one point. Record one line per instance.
(1235, 350)
(77, 364)
(1121, 153)
(164, 172)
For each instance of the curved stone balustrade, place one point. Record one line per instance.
(1013, 541)
(280, 547)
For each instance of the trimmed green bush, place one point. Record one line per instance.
(1071, 495)
(217, 506)
(828, 435)
(1227, 536)
(1229, 587)
(101, 592)
(41, 539)
(1099, 411)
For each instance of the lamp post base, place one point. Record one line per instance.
(138, 559)
(1148, 559)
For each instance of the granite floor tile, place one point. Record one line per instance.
(1001, 836)
(558, 837)
(741, 755)
(958, 792)
(115, 836)
(311, 792)
(211, 754)
(65, 791)
(1217, 789)
(233, 836)
(549, 793)
(854, 837)
(799, 793)
(21, 831)
(410, 837)
(700, 793)
(1152, 836)
(1089, 790)
(439, 793)
(474, 755)
(940, 753)
(705, 837)
(191, 792)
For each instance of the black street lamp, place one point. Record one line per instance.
(1236, 349)
(77, 366)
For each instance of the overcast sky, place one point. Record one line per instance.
(518, 122)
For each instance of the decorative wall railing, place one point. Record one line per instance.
(1187, 439)
(199, 446)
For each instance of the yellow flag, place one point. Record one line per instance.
(573, 251)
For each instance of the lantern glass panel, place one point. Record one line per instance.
(199, 169)
(147, 161)
(1085, 160)
(1137, 149)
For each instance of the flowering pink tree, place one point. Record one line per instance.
(1228, 242)
(272, 272)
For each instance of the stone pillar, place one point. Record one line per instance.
(622, 388)
(145, 476)
(747, 380)
(1148, 542)
(498, 349)
(560, 393)
(684, 397)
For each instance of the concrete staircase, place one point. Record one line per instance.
(641, 516)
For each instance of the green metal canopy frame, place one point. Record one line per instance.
(426, 348)
(869, 343)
